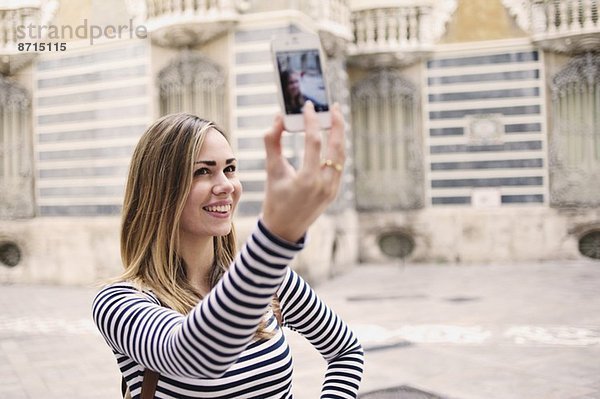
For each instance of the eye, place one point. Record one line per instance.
(230, 169)
(201, 171)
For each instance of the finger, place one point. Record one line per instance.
(273, 139)
(336, 142)
(312, 139)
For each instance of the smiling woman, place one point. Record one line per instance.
(190, 319)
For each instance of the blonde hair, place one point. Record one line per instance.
(159, 181)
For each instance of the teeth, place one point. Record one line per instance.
(219, 208)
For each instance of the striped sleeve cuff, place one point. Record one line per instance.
(292, 247)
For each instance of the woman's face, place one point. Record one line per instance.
(215, 191)
(293, 84)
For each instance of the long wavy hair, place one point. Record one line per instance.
(159, 181)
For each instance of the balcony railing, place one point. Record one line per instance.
(182, 23)
(332, 16)
(392, 34)
(566, 25)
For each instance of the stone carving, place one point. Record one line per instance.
(575, 180)
(16, 177)
(584, 69)
(521, 11)
(193, 83)
(386, 96)
(12, 96)
(485, 129)
(440, 15)
(395, 35)
(13, 15)
(186, 23)
(191, 67)
(383, 83)
(565, 26)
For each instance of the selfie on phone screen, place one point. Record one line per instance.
(302, 80)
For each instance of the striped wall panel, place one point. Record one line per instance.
(485, 125)
(91, 105)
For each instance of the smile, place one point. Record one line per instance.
(218, 208)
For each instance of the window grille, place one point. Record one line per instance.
(575, 145)
(388, 158)
(193, 83)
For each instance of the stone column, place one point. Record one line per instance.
(16, 171)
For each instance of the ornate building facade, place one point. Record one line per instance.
(473, 125)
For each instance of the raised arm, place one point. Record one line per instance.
(206, 342)
(304, 312)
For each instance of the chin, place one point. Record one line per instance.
(223, 232)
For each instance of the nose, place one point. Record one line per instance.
(222, 185)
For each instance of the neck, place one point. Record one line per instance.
(198, 255)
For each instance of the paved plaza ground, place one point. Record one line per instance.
(505, 331)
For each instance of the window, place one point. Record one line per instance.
(575, 145)
(192, 83)
(388, 158)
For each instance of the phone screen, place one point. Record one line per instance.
(301, 78)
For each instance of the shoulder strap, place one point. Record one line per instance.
(149, 384)
(150, 378)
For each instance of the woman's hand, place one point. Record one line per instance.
(295, 199)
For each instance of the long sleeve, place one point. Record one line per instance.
(304, 312)
(209, 340)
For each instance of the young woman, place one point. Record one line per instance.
(191, 312)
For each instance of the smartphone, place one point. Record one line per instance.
(300, 76)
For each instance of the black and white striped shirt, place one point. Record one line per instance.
(211, 352)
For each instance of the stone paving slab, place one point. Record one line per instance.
(464, 332)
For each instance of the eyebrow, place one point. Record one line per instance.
(214, 163)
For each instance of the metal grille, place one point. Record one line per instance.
(589, 245)
(10, 254)
(396, 244)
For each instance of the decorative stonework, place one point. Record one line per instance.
(566, 26)
(395, 35)
(14, 14)
(574, 157)
(581, 70)
(383, 83)
(389, 159)
(521, 11)
(12, 96)
(186, 23)
(193, 83)
(16, 176)
(441, 13)
(485, 129)
(191, 68)
(334, 46)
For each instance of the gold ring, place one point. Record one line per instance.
(331, 164)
